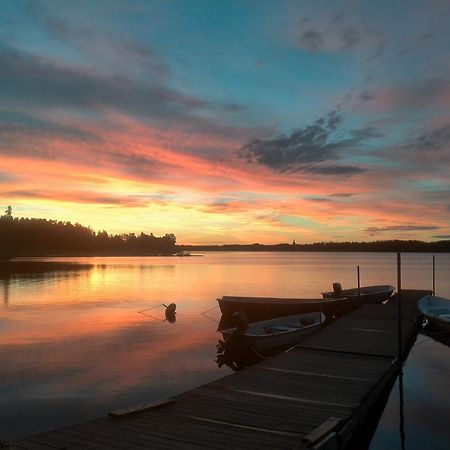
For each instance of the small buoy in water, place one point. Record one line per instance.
(170, 312)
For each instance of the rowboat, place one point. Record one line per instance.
(436, 310)
(263, 308)
(365, 294)
(269, 335)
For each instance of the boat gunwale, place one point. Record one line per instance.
(348, 293)
(278, 301)
(322, 316)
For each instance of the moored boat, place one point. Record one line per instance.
(436, 310)
(263, 308)
(365, 294)
(269, 335)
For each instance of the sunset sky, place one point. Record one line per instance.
(229, 122)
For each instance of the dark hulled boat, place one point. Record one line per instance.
(365, 294)
(263, 308)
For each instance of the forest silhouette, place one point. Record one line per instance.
(43, 237)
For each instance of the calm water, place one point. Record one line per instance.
(74, 345)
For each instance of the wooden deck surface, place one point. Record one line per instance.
(312, 396)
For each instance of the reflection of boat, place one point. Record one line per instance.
(262, 308)
(236, 358)
(436, 310)
(366, 294)
(273, 334)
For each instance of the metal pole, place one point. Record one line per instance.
(359, 286)
(434, 277)
(399, 306)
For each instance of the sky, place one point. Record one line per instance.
(229, 122)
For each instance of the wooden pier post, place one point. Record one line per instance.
(399, 306)
(359, 286)
(434, 276)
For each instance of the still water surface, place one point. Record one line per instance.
(74, 343)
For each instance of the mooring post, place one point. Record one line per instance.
(399, 307)
(434, 277)
(359, 286)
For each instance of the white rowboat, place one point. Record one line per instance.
(275, 333)
(436, 310)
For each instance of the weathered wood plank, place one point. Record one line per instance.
(212, 434)
(322, 431)
(119, 413)
(30, 445)
(329, 364)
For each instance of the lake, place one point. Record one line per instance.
(82, 336)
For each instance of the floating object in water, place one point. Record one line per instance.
(170, 312)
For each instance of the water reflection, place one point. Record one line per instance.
(401, 407)
(22, 269)
(236, 358)
(25, 271)
(443, 337)
(6, 282)
(73, 346)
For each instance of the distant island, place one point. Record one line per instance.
(21, 237)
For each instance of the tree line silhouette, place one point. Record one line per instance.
(42, 237)
(39, 237)
(373, 246)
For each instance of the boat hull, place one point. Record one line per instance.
(262, 308)
(367, 294)
(437, 311)
(288, 331)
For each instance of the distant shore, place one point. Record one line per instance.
(375, 246)
(191, 250)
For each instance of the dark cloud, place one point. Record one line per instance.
(343, 195)
(417, 42)
(311, 40)
(436, 139)
(442, 236)
(350, 37)
(233, 108)
(116, 53)
(316, 199)
(340, 33)
(376, 230)
(42, 85)
(365, 96)
(30, 128)
(37, 82)
(314, 148)
(328, 198)
(337, 170)
(378, 52)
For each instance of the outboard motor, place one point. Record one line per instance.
(240, 322)
(337, 289)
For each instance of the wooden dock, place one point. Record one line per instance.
(318, 395)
